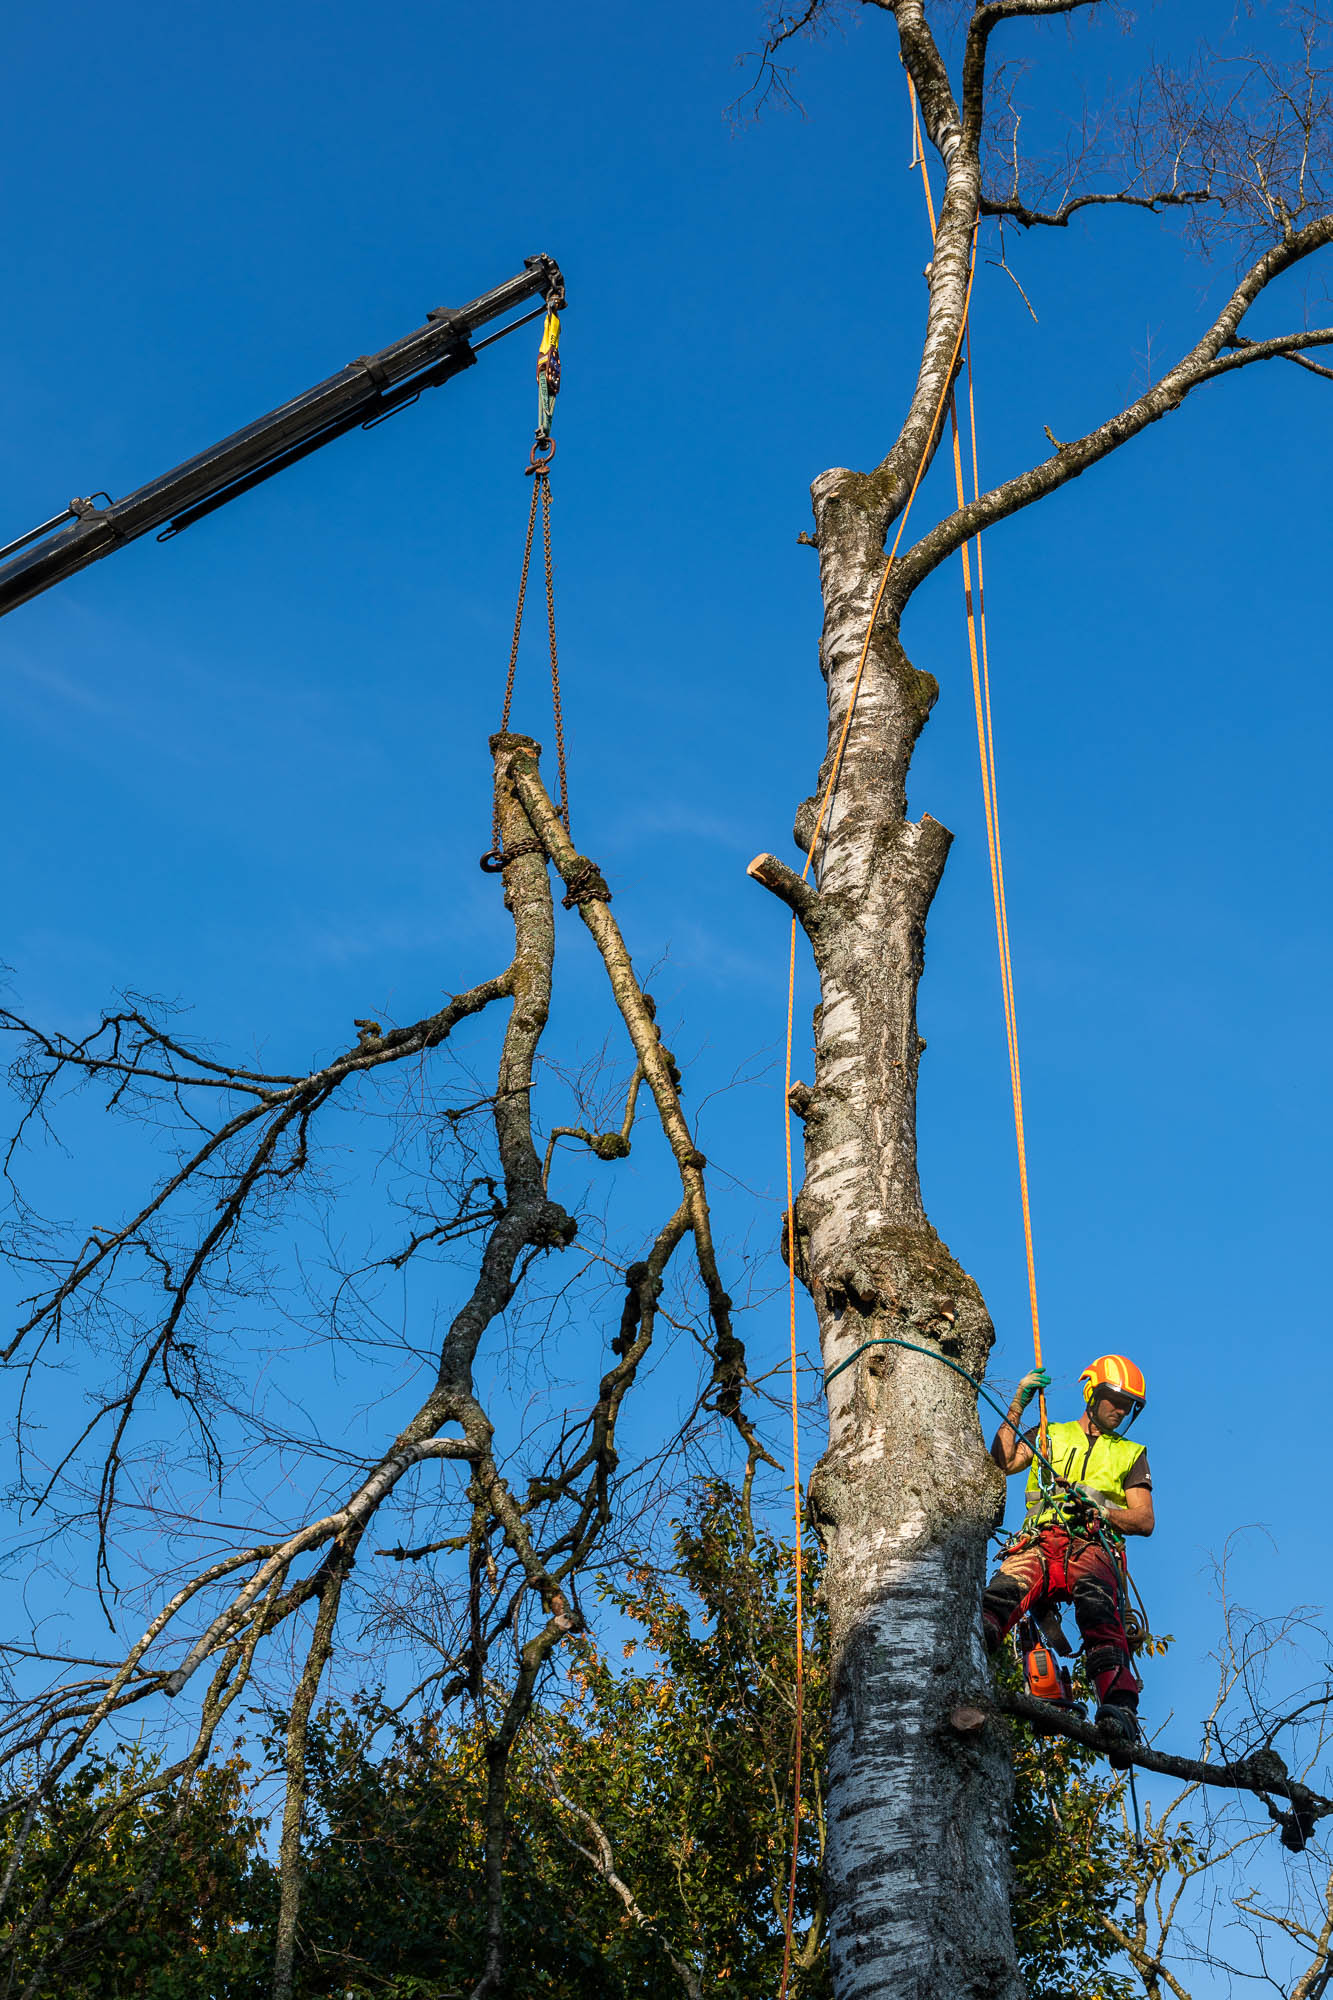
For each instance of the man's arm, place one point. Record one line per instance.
(1134, 1518)
(1008, 1449)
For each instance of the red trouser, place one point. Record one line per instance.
(1053, 1567)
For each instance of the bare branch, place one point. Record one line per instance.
(1281, 347)
(1028, 218)
(298, 1722)
(1200, 365)
(773, 79)
(1264, 1773)
(603, 1145)
(728, 1364)
(985, 20)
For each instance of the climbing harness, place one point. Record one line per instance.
(538, 469)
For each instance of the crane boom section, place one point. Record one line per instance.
(368, 388)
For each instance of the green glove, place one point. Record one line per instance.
(1036, 1378)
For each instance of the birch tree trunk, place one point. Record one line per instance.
(918, 1872)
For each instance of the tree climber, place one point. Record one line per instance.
(1096, 1491)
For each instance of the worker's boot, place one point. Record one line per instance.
(1118, 1722)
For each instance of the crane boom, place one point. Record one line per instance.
(367, 389)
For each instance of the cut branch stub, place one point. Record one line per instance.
(801, 898)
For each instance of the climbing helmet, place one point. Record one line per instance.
(1116, 1372)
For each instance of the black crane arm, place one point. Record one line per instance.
(372, 387)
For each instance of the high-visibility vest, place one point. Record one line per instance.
(1100, 1461)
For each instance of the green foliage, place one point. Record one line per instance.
(394, 1898)
(124, 1889)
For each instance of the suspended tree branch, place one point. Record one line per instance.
(526, 1541)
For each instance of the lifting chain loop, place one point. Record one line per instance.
(499, 858)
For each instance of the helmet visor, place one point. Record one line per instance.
(1119, 1399)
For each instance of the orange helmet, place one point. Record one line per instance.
(1114, 1371)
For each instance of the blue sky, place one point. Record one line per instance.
(249, 768)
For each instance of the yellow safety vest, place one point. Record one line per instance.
(1100, 1461)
